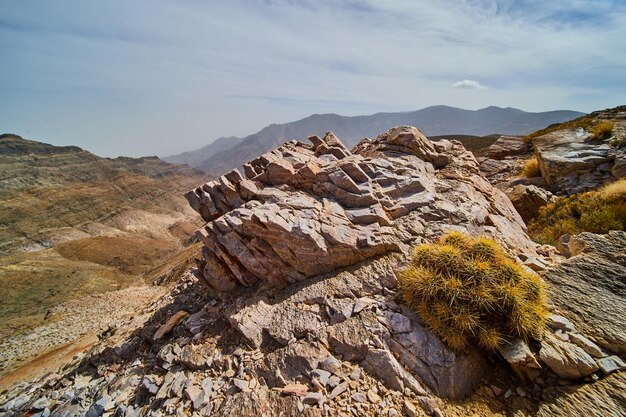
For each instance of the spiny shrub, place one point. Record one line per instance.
(468, 291)
(602, 130)
(531, 168)
(592, 211)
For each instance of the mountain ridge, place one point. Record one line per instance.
(32, 163)
(433, 121)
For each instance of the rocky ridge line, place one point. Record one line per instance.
(304, 210)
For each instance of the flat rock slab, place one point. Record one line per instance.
(589, 288)
(605, 398)
(507, 146)
(261, 403)
(571, 161)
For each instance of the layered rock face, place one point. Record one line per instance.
(304, 210)
(507, 146)
(573, 161)
(591, 286)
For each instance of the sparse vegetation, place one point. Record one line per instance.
(593, 211)
(585, 122)
(617, 142)
(602, 130)
(531, 168)
(468, 291)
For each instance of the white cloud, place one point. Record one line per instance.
(468, 85)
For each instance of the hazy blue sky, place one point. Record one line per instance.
(161, 77)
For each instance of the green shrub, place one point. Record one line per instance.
(468, 292)
(531, 168)
(593, 211)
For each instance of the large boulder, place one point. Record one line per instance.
(317, 233)
(590, 287)
(507, 146)
(573, 161)
(304, 210)
(528, 199)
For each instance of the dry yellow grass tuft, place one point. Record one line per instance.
(602, 130)
(468, 291)
(614, 191)
(593, 211)
(531, 168)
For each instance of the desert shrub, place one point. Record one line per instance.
(531, 168)
(469, 292)
(602, 130)
(615, 191)
(593, 211)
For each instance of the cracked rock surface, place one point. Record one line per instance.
(304, 210)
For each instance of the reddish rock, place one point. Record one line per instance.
(304, 210)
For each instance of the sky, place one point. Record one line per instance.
(159, 77)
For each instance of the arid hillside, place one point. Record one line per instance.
(74, 224)
(51, 194)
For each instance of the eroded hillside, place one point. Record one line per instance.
(74, 224)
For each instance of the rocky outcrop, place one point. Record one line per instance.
(589, 287)
(503, 161)
(502, 165)
(351, 316)
(528, 199)
(507, 146)
(573, 160)
(304, 210)
(337, 358)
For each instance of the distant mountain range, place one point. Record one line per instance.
(225, 154)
